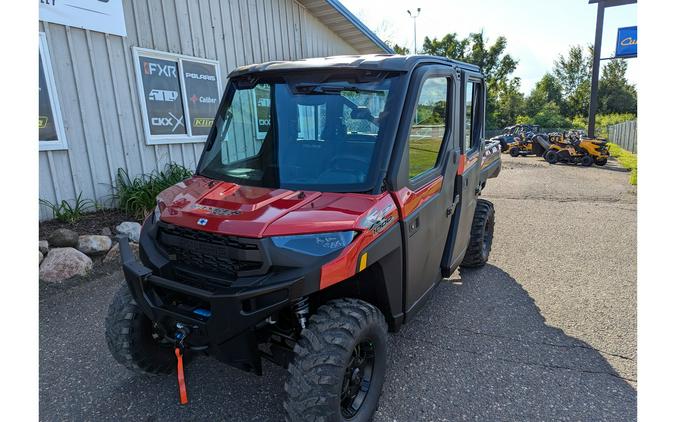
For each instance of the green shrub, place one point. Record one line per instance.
(67, 213)
(602, 121)
(137, 196)
(626, 159)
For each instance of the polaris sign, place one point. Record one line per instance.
(626, 42)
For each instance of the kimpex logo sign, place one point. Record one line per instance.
(200, 76)
(172, 121)
(162, 95)
(165, 70)
(203, 100)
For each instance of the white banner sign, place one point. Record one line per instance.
(97, 15)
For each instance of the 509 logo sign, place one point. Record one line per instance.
(168, 121)
(42, 122)
(162, 95)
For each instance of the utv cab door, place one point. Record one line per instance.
(472, 122)
(428, 152)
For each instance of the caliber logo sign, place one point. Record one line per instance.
(626, 42)
(201, 86)
(163, 102)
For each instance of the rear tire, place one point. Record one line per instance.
(515, 151)
(342, 351)
(132, 340)
(600, 162)
(586, 161)
(482, 231)
(551, 156)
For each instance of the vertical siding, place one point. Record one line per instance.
(96, 81)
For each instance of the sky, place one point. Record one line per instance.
(537, 31)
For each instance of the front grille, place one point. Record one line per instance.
(211, 255)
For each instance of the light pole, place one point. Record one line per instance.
(414, 17)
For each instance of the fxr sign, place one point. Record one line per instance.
(626, 42)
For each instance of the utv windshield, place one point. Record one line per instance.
(297, 133)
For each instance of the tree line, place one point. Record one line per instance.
(560, 99)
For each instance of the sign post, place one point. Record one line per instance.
(602, 4)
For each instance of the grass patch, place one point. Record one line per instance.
(423, 154)
(627, 160)
(137, 196)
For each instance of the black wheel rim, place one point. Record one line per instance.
(357, 378)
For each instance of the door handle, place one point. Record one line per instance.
(452, 208)
(413, 226)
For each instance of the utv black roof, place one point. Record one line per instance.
(385, 62)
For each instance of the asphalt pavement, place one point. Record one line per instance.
(546, 331)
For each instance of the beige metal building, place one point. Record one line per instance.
(135, 84)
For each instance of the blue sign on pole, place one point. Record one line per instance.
(626, 42)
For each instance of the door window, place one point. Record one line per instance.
(472, 116)
(428, 126)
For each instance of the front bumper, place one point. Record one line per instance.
(224, 319)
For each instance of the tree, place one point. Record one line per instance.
(400, 50)
(508, 104)
(550, 117)
(615, 94)
(548, 89)
(495, 65)
(573, 72)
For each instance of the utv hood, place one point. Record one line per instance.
(227, 208)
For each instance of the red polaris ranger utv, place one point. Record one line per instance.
(332, 195)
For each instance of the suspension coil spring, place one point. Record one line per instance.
(301, 309)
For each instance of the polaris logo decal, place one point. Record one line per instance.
(223, 212)
(202, 221)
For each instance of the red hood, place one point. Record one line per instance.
(228, 208)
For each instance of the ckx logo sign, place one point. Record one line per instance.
(168, 121)
(165, 70)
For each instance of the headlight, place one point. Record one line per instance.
(315, 244)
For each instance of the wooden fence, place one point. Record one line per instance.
(624, 135)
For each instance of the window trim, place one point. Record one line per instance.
(62, 142)
(429, 174)
(178, 58)
(477, 83)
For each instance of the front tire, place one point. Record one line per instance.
(133, 341)
(482, 231)
(600, 162)
(551, 156)
(515, 152)
(338, 369)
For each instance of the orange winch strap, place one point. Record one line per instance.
(181, 378)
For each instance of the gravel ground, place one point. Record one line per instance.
(546, 331)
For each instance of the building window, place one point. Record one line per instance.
(50, 133)
(179, 96)
(428, 128)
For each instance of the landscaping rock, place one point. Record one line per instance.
(63, 263)
(105, 231)
(44, 247)
(113, 254)
(41, 257)
(94, 244)
(63, 238)
(131, 229)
